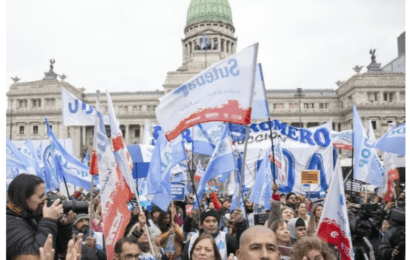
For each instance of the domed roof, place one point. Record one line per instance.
(205, 10)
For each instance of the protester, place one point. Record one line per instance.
(209, 225)
(205, 247)
(297, 229)
(314, 219)
(301, 210)
(171, 237)
(311, 247)
(29, 220)
(126, 248)
(281, 230)
(258, 242)
(291, 200)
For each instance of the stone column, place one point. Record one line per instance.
(127, 134)
(83, 135)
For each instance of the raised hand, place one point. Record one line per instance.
(69, 218)
(55, 211)
(47, 251)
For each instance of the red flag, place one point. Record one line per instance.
(393, 175)
(94, 164)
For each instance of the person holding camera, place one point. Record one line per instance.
(29, 220)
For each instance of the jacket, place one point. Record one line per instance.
(25, 234)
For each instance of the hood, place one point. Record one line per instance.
(292, 228)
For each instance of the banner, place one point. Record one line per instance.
(178, 191)
(77, 112)
(260, 108)
(302, 148)
(222, 92)
(394, 141)
(342, 140)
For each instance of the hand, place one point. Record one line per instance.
(74, 248)
(69, 218)
(237, 215)
(231, 257)
(47, 251)
(90, 242)
(172, 229)
(135, 211)
(395, 251)
(55, 211)
(142, 219)
(275, 187)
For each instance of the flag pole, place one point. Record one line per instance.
(273, 152)
(243, 199)
(351, 178)
(190, 169)
(243, 163)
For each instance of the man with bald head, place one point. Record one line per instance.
(258, 242)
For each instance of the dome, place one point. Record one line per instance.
(205, 10)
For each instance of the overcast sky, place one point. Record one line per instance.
(130, 45)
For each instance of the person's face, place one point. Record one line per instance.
(302, 209)
(307, 201)
(282, 233)
(37, 199)
(262, 246)
(143, 239)
(167, 219)
(376, 199)
(155, 215)
(283, 199)
(190, 200)
(301, 231)
(203, 250)
(402, 195)
(385, 226)
(82, 225)
(318, 212)
(128, 250)
(227, 204)
(292, 199)
(249, 204)
(287, 214)
(314, 255)
(210, 225)
(211, 205)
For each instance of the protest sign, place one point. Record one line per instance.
(178, 191)
(356, 187)
(309, 177)
(286, 252)
(260, 219)
(189, 209)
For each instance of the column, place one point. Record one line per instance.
(83, 135)
(127, 134)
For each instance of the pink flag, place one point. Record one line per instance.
(334, 223)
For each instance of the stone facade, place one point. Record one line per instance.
(379, 95)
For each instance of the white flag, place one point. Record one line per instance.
(222, 92)
(77, 112)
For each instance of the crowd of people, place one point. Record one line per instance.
(38, 227)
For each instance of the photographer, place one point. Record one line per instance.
(392, 245)
(30, 220)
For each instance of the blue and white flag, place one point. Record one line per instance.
(367, 166)
(28, 151)
(237, 193)
(203, 44)
(394, 141)
(260, 108)
(261, 191)
(14, 158)
(200, 141)
(222, 161)
(73, 170)
(77, 112)
(39, 154)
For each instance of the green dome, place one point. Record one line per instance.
(205, 10)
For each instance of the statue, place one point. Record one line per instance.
(372, 52)
(358, 68)
(52, 61)
(15, 79)
(63, 77)
(50, 75)
(339, 82)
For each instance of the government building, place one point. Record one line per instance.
(378, 91)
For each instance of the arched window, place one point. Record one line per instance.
(227, 46)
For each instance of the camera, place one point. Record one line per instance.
(76, 206)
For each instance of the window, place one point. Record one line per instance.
(323, 105)
(137, 131)
(154, 107)
(22, 130)
(278, 106)
(306, 106)
(290, 105)
(35, 129)
(140, 108)
(293, 105)
(134, 108)
(22, 103)
(374, 125)
(372, 96)
(309, 105)
(402, 96)
(341, 104)
(34, 103)
(148, 108)
(108, 131)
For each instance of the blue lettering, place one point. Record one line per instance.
(200, 81)
(292, 133)
(265, 125)
(254, 128)
(70, 108)
(276, 125)
(366, 143)
(362, 163)
(306, 135)
(215, 71)
(366, 153)
(187, 135)
(222, 73)
(209, 77)
(326, 139)
(316, 163)
(234, 66)
(291, 171)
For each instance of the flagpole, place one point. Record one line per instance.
(192, 175)
(243, 199)
(243, 163)
(351, 178)
(273, 152)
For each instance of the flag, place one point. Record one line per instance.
(342, 140)
(222, 161)
(333, 227)
(200, 141)
(28, 151)
(73, 170)
(150, 133)
(391, 174)
(77, 112)
(14, 158)
(261, 191)
(39, 153)
(237, 193)
(370, 132)
(86, 158)
(115, 193)
(141, 155)
(222, 92)
(279, 162)
(121, 154)
(260, 108)
(394, 141)
(203, 44)
(367, 166)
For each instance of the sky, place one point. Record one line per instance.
(130, 45)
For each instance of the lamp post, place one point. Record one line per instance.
(299, 94)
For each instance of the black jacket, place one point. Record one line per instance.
(26, 234)
(393, 237)
(231, 241)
